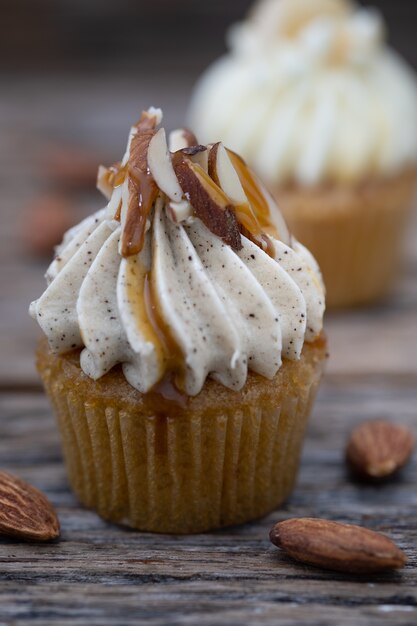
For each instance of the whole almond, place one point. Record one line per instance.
(336, 546)
(25, 512)
(378, 449)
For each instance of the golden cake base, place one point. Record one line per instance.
(225, 458)
(355, 233)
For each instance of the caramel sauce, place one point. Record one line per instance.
(135, 289)
(247, 218)
(118, 213)
(252, 230)
(142, 195)
(168, 390)
(119, 173)
(154, 330)
(115, 174)
(172, 383)
(141, 186)
(268, 245)
(256, 216)
(216, 192)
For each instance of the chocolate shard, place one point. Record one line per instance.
(209, 202)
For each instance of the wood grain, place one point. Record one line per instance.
(103, 574)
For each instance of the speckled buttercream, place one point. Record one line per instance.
(187, 302)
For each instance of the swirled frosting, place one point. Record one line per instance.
(310, 93)
(188, 272)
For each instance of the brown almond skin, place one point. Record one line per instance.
(189, 137)
(212, 156)
(142, 191)
(25, 512)
(221, 220)
(336, 546)
(377, 449)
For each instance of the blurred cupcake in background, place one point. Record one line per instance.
(185, 340)
(326, 112)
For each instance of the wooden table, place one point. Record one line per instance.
(100, 574)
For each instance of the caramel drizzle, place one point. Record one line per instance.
(142, 189)
(254, 216)
(172, 382)
(146, 310)
(141, 186)
(254, 194)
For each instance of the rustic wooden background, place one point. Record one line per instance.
(102, 574)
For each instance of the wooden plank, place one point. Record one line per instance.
(103, 574)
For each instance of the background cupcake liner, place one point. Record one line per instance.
(356, 235)
(182, 474)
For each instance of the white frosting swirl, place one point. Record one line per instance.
(310, 93)
(223, 310)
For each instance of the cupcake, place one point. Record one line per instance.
(326, 114)
(184, 341)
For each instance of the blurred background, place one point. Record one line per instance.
(74, 75)
(126, 35)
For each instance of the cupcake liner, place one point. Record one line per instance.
(356, 235)
(186, 472)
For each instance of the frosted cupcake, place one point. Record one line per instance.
(326, 113)
(184, 340)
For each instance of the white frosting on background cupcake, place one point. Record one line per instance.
(311, 93)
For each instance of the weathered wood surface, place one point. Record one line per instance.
(102, 574)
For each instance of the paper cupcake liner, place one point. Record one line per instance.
(185, 473)
(355, 235)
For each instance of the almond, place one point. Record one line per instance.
(223, 173)
(160, 166)
(181, 138)
(141, 186)
(209, 202)
(378, 449)
(25, 512)
(336, 546)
